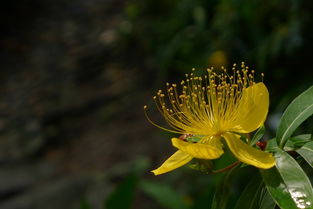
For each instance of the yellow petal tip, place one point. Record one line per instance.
(155, 172)
(177, 160)
(271, 162)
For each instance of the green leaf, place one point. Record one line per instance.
(277, 188)
(125, 192)
(271, 145)
(298, 111)
(298, 141)
(250, 196)
(287, 183)
(163, 194)
(258, 135)
(266, 200)
(306, 152)
(299, 185)
(301, 138)
(221, 195)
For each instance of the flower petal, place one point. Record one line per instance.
(211, 149)
(248, 154)
(178, 159)
(252, 109)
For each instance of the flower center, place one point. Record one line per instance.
(203, 105)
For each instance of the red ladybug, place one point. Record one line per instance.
(262, 145)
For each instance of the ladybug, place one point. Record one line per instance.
(262, 145)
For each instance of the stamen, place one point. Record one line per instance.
(203, 105)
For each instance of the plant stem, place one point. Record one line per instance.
(226, 168)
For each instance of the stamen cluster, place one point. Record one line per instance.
(203, 104)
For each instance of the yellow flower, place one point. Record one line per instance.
(215, 107)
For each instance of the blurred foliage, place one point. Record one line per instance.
(272, 36)
(123, 196)
(184, 189)
(84, 204)
(164, 195)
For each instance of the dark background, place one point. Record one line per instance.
(76, 74)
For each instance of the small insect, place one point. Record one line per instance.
(262, 145)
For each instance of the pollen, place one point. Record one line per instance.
(203, 104)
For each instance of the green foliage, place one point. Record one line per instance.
(221, 195)
(249, 198)
(258, 135)
(123, 196)
(306, 152)
(177, 35)
(203, 199)
(266, 200)
(297, 142)
(294, 185)
(164, 195)
(277, 188)
(297, 112)
(287, 183)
